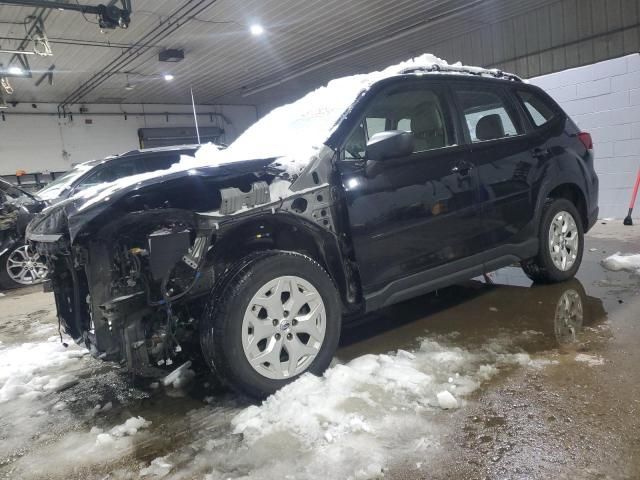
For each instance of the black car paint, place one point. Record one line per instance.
(378, 252)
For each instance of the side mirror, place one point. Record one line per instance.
(391, 144)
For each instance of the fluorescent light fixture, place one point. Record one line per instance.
(256, 29)
(15, 70)
(168, 77)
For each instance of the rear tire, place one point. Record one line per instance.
(251, 339)
(561, 237)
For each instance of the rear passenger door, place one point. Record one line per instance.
(504, 159)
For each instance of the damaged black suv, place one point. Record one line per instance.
(369, 191)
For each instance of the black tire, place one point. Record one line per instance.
(221, 326)
(541, 268)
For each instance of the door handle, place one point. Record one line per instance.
(540, 152)
(462, 169)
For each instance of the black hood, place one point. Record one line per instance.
(195, 189)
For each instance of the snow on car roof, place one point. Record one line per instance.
(295, 132)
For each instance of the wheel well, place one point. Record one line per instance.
(572, 192)
(251, 238)
(233, 246)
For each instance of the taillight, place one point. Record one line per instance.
(586, 140)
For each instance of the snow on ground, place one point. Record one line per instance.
(31, 369)
(591, 360)
(359, 419)
(355, 422)
(628, 262)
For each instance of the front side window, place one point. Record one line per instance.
(537, 107)
(417, 110)
(487, 115)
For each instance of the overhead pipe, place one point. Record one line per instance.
(160, 32)
(391, 37)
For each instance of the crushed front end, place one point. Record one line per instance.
(122, 291)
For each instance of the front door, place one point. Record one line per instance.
(409, 214)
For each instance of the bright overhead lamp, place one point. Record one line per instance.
(256, 29)
(168, 77)
(15, 70)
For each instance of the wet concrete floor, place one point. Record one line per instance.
(574, 417)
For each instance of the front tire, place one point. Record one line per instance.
(561, 238)
(276, 317)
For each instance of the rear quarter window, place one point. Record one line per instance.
(540, 110)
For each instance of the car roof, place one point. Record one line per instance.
(142, 152)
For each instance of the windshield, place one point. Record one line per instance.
(55, 188)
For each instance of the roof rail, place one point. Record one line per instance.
(477, 71)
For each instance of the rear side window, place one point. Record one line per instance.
(539, 109)
(487, 115)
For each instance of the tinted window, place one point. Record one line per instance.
(160, 162)
(541, 112)
(487, 115)
(110, 172)
(418, 110)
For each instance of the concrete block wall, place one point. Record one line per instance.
(604, 100)
(37, 140)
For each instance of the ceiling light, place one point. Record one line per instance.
(168, 77)
(15, 70)
(256, 29)
(129, 86)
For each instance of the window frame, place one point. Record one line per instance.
(503, 92)
(542, 95)
(439, 87)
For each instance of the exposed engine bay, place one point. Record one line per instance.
(133, 282)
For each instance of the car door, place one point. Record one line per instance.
(409, 214)
(502, 154)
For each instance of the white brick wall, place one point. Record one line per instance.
(604, 100)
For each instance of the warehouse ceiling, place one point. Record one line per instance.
(303, 45)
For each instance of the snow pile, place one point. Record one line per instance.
(348, 423)
(617, 262)
(25, 369)
(83, 449)
(127, 429)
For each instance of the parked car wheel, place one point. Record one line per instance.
(561, 244)
(21, 266)
(277, 317)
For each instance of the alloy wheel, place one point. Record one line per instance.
(25, 266)
(564, 241)
(283, 327)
